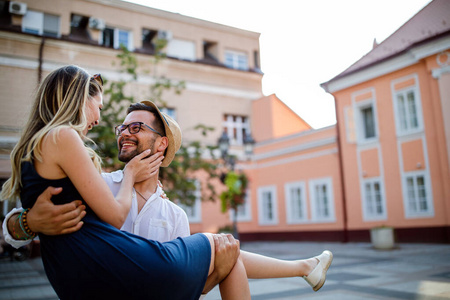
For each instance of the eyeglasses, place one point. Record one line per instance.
(98, 78)
(133, 128)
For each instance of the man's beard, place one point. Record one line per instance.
(127, 156)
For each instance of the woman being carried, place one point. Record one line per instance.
(100, 261)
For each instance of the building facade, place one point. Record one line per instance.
(219, 64)
(393, 129)
(385, 163)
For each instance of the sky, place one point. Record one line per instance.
(304, 43)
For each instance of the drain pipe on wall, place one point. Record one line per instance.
(345, 238)
(41, 54)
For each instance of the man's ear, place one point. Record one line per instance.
(163, 144)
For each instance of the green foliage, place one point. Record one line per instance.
(128, 62)
(226, 229)
(114, 110)
(177, 178)
(235, 194)
(204, 129)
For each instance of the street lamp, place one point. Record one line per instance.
(248, 145)
(224, 143)
(224, 146)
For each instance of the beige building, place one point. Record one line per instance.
(219, 64)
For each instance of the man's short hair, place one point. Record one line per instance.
(157, 124)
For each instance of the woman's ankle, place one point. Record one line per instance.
(309, 265)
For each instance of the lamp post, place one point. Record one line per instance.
(230, 161)
(248, 145)
(224, 146)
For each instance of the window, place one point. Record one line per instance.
(418, 195)
(236, 127)
(79, 28)
(321, 198)
(210, 51)
(366, 124)
(407, 111)
(194, 212)
(244, 211)
(181, 49)
(170, 112)
(373, 205)
(40, 23)
(115, 37)
(236, 60)
(267, 206)
(123, 38)
(256, 58)
(147, 39)
(295, 203)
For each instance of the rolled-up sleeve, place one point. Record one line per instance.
(8, 238)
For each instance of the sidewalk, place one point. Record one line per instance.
(411, 271)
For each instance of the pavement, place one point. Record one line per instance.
(358, 271)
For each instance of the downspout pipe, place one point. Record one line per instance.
(41, 54)
(345, 238)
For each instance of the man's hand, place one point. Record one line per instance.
(227, 250)
(50, 219)
(227, 253)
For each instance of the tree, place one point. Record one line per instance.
(234, 196)
(178, 177)
(114, 110)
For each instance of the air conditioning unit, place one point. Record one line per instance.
(164, 34)
(96, 23)
(17, 8)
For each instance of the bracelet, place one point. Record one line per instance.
(14, 230)
(29, 232)
(24, 225)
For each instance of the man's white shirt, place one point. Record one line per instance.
(159, 219)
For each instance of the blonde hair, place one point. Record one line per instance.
(59, 102)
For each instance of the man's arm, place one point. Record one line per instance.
(45, 217)
(10, 217)
(227, 253)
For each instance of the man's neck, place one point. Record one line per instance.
(147, 187)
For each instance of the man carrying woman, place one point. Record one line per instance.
(99, 260)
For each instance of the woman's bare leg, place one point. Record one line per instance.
(235, 285)
(259, 266)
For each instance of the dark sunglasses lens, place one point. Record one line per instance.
(98, 78)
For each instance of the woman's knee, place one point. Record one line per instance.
(213, 252)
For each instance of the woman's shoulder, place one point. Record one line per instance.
(63, 134)
(58, 146)
(62, 140)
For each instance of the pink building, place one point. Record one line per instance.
(385, 162)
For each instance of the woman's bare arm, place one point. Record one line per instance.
(70, 155)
